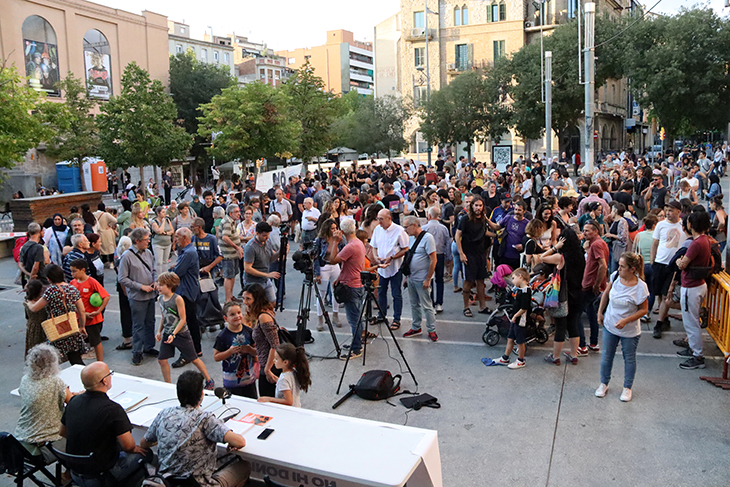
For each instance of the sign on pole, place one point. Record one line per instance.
(267, 180)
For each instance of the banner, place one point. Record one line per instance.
(266, 180)
(98, 75)
(41, 66)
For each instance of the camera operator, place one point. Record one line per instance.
(352, 258)
(256, 259)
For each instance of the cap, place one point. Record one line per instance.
(571, 193)
(656, 172)
(675, 204)
(505, 196)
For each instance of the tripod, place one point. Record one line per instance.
(366, 315)
(305, 303)
(284, 242)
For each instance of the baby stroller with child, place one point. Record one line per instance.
(498, 322)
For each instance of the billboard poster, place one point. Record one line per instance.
(41, 66)
(98, 74)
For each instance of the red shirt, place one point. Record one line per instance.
(353, 260)
(597, 250)
(86, 289)
(699, 255)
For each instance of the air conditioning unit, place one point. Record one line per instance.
(529, 24)
(451, 67)
(418, 32)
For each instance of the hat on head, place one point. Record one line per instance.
(656, 172)
(505, 196)
(675, 204)
(571, 193)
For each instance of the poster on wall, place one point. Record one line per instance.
(41, 66)
(501, 156)
(98, 75)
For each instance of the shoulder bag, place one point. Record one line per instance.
(405, 267)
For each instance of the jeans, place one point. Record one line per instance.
(127, 469)
(143, 325)
(589, 306)
(421, 304)
(328, 274)
(353, 307)
(458, 269)
(628, 349)
(191, 315)
(125, 313)
(438, 281)
(649, 280)
(395, 290)
(691, 299)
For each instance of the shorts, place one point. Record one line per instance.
(229, 268)
(269, 288)
(517, 333)
(476, 267)
(677, 294)
(662, 279)
(94, 332)
(183, 342)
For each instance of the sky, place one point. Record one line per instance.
(291, 24)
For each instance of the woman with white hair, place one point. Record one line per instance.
(43, 396)
(125, 311)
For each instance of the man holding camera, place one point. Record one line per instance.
(352, 258)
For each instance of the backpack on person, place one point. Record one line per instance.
(19, 242)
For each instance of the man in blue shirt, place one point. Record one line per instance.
(187, 269)
(209, 308)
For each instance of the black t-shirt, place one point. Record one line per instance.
(93, 422)
(298, 201)
(447, 211)
(389, 179)
(473, 235)
(353, 206)
(521, 300)
(625, 198)
(491, 201)
(206, 213)
(659, 197)
(31, 253)
(392, 202)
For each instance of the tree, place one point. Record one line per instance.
(250, 123)
(21, 128)
(76, 135)
(137, 128)
(678, 66)
(377, 124)
(314, 108)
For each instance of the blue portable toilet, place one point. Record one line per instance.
(69, 177)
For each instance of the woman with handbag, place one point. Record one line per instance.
(63, 301)
(567, 257)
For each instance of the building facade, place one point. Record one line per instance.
(206, 51)
(45, 39)
(343, 63)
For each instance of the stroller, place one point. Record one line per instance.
(498, 322)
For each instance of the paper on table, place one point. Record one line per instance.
(238, 426)
(129, 399)
(143, 416)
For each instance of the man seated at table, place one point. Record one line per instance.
(186, 439)
(93, 423)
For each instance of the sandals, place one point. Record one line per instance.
(369, 334)
(124, 346)
(395, 325)
(468, 313)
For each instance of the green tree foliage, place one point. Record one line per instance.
(678, 66)
(75, 133)
(20, 128)
(314, 108)
(138, 127)
(250, 122)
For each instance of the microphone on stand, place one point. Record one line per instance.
(222, 393)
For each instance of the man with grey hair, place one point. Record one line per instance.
(422, 248)
(187, 269)
(78, 226)
(32, 256)
(352, 258)
(79, 247)
(138, 276)
(229, 242)
(273, 245)
(390, 244)
(281, 206)
(443, 245)
(310, 215)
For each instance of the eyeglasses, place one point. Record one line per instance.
(111, 372)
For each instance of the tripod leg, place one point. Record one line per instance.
(327, 320)
(358, 330)
(303, 315)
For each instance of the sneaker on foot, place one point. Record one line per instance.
(517, 365)
(569, 358)
(693, 363)
(209, 385)
(412, 332)
(151, 352)
(353, 354)
(686, 352)
(439, 308)
(657, 333)
(602, 390)
(646, 318)
(137, 359)
(433, 336)
(552, 360)
(582, 351)
(501, 361)
(681, 343)
(594, 348)
(625, 395)
(666, 325)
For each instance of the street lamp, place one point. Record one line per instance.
(427, 74)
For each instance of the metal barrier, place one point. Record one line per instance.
(718, 326)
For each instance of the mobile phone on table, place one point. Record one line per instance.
(265, 434)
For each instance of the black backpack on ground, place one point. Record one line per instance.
(375, 385)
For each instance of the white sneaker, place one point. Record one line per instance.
(439, 308)
(517, 364)
(602, 390)
(501, 361)
(626, 395)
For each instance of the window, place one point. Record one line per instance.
(270, 73)
(496, 12)
(276, 74)
(179, 49)
(573, 9)
(499, 49)
(502, 11)
(465, 15)
(98, 65)
(419, 20)
(292, 60)
(41, 55)
(262, 73)
(215, 56)
(226, 58)
(457, 16)
(462, 57)
(204, 55)
(419, 95)
(182, 30)
(420, 56)
(307, 57)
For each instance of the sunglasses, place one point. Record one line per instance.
(111, 372)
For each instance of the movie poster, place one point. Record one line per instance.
(41, 66)
(98, 75)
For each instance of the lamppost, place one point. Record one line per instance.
(590, 83)
(427, 74)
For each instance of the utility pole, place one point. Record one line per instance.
(428, 76)
(549, 104)
(590, 83)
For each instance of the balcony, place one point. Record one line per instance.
(419, 34)
(459, 67)
(354, 75)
